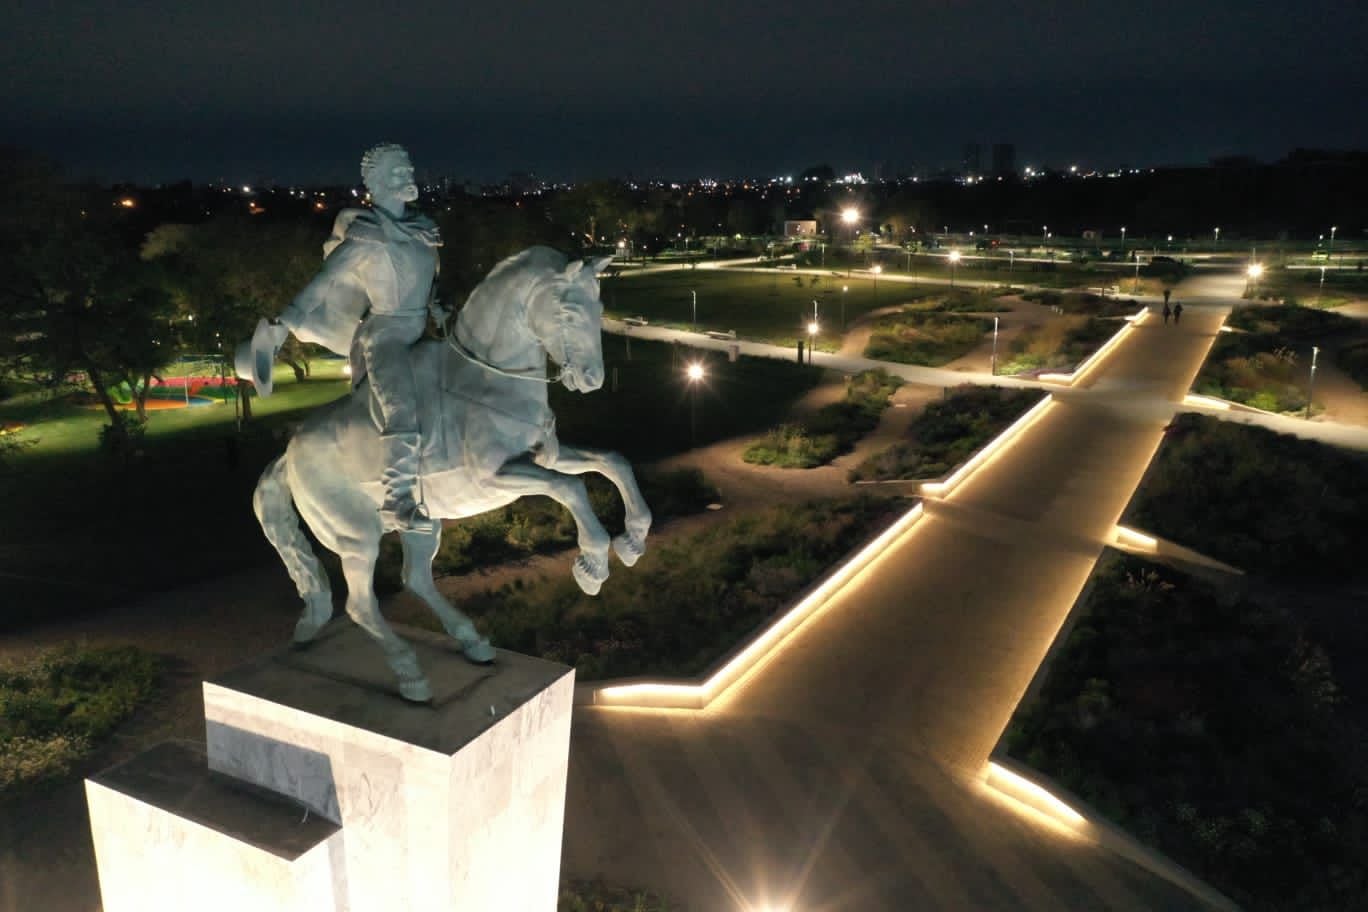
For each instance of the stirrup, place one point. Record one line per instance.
(406, 517)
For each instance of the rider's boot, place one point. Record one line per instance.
(401, 510)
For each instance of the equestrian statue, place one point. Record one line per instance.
(433, 429)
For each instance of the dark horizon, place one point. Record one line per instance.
(261, 93)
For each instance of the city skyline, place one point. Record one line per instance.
(293, 95)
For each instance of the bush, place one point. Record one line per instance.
(1261, 788)
(833, 430)
(925, 338)
(55, 707)
(948, 432)
(1258, 370)
(685, 604)
(1063, 342)
(1270, 503)
(1353, 360)
(596, 896)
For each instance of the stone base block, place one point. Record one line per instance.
(454, 805)
(170, 836)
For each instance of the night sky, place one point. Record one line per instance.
(245, 90)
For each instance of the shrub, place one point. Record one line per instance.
(925, 338)
(948, 432)
(1261, 788)
(596, 896)
(833, 430)
(55, 707)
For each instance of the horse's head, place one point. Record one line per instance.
(571, 331)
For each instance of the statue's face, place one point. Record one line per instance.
(393, 177)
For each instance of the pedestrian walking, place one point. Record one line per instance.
(1177, 312)
(1167, 313)
(1167, 292)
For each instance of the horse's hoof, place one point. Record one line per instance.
(416, 690)
(589, 581)
(628, 548)
(314, 619)
(478, 651)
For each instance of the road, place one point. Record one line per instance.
(842, 773)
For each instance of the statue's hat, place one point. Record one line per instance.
(254, 358)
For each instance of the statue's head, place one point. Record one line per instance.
(388, 173)
(575, 337)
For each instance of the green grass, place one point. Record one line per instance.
(947, 433)
(1000, 269)
(688, 601)
(774, 307)
(1211, 725)
(1303, 286)
(1267, 365)
(833, 430)
(56, 707)
(928, 339)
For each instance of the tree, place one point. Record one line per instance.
(76, 303)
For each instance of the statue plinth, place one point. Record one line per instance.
(454, 805)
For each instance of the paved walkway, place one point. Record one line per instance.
(841, 774)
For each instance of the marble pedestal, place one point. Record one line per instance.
(450, 806)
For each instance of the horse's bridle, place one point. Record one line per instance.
(459, 347)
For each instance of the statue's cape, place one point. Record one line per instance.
(331, 306)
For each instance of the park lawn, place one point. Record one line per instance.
(80, 531)
(1211, 724)
(1061, 343)
(927, 339)
(999, 268)
(1266, 364)
(947, 433)
(774, 306)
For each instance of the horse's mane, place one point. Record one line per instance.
(513, 281)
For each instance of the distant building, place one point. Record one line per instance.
(972, 162)
(800, 228)
(1004, 159)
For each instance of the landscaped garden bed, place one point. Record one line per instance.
(833, 430)
(928, 339)
(1061, 343)
(948, 432)
(58, 706)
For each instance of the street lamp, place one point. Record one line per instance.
(954, 258)
(1123, 238)
(1253, 272)
(1311, 384)
(813, 328)
(1218, 236)
(1330, 251)
(995, 331)
(1137, 273)
(844, 289)
(876, 270)
(694, 293)
(694, 374)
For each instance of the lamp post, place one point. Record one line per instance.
(1252, 273)
(1011, 260)
(995, 331)
(1330, 251)
(1311, 384)
(954, 258)
(1321, 289)
(1123, 239)
(844, 289)
(1217, 235)
(1136, 289)
(694, 374)
(813, 328)
(694, 294)
(876, 270)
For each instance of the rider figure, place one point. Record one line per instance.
(379, 267)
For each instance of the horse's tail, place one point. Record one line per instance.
(274, 507)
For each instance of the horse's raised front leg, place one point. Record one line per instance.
(359, 569)
(522, 477)
(631, 544)
(419, 550)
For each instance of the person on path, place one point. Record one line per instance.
(1167, 312)
(1177, 312)
(1167, 292)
